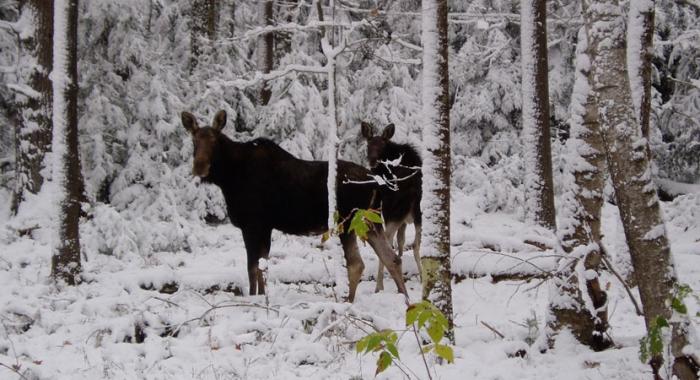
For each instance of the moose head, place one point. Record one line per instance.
(376, 144)
(205, 141)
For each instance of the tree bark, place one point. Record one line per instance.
(639, 54)
(435, 205)
(539, 188)
(630, 170)
(579, 219)
(67, 175)
(204, 22)
(266, 46)
(33, 132)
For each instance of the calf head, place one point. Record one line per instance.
(376, 145)
(205, 141)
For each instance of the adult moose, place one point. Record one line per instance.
(399, 165)
(267, 188)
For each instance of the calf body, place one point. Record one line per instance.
(267, 188)
(399, 165)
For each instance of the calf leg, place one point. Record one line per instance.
(257, 245)
(377, 240)
(391, 228)
(416, 250)
(354, 263)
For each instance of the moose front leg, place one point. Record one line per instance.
(377, 240)
(391, 228)
(257, 245)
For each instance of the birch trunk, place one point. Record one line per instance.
(630, 171)
(539, 193)
(435, 242)
(66, 171)
(33, 137)
(582, 311)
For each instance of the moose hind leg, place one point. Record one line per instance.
(353, 260)
(416, 250)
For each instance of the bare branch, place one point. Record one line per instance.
(24, 90)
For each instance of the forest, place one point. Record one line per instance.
(349, 189)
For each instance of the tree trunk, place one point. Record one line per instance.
(66, 171)
(579, 219)
(329, 51)
(266, 45)
(33, 137)
(539, 193)
(205, 17)
(630, 170)
(435, 243)
(640, 51)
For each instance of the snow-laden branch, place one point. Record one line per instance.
(260, 77)
(382, 180)
(7, 69)
(24, 90)
(8, 26)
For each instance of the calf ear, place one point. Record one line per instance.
(189, 122)
(388, 132)
(219, 120)
(367, 130)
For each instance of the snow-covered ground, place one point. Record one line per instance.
(177, 315)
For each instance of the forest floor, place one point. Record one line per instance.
(176, 315)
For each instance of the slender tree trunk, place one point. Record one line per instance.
(266, 48)
(539, 193)
(640, 51)
(579, 219)
(435, 242)
(630, 170)
(33, 137)
(204, 21)
(333, 141)
(66, 171)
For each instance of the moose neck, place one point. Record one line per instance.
(409, 154)
(224, 160)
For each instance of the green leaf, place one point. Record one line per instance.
(660, 322)
(436, 332)
(362, 344)
(412, 314)
(678, 305)
(427, 348)
(373, 216)
(373, 342)
(392, 349)
(445, 352)
(383, 362)
(357, 224)
(326, 235)
(424, 315)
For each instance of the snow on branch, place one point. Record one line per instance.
(260, 77)
(24, 90)
(8, 26)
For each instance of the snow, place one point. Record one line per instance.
(298, 330)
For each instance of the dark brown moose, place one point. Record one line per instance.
(267, 188)
(399, 166)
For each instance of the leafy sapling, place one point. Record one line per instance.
(422, 316)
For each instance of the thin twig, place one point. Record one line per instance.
(622, 281)
(14, 370)
(493, 329)
(422, 354)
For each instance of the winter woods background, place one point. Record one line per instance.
(140, 63)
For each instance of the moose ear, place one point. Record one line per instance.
(388, 132)
(219, 120)
(189, 122)
(367, 130)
